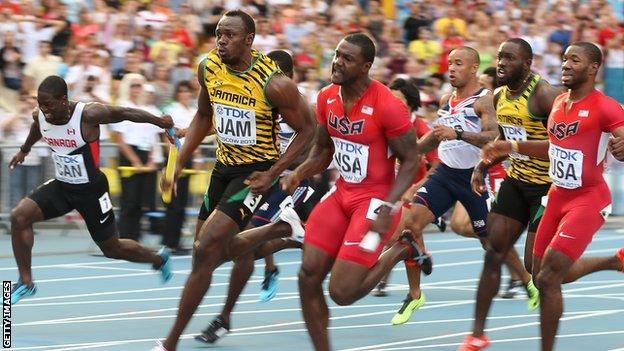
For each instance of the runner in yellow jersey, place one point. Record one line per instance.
(240, 90)
(523, 104)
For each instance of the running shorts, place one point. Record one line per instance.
(520, 201)
(276, 201)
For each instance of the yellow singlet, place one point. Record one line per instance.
(243, 118)
(518, 123)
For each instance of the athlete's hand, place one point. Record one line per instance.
(165, 122)
(383, 222)
(616, 147)
(290, 182)
(444, 133)
(477, 182)
(17, 159)
(259, 182)
(494, 150)
(166, 184)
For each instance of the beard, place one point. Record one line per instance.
(510, 78)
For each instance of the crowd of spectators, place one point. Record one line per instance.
(104, 47)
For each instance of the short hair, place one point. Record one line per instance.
(409, 88)
(491, 72)
(283, 60)
(367, 47)
(525, 47)
(53, 85)
(248, 21)
(591, 50)
(473, 53)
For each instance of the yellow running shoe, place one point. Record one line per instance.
(409, 306)
(533, 295)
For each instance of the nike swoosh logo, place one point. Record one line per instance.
(563, 235)
(329, 101)
(351, 243)
(104, 219)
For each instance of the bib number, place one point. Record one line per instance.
(70, 169)
(516, 133)
(351, 159)
(105, 203)
(373, 208)
(566, 167)
(236, 126)
(251, 201)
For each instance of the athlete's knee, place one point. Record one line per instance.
(341, 295)
(111, 251)
(309, 277)
(547, 279)
(20, 218)
(494, 256)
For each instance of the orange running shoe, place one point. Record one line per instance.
(474, 343)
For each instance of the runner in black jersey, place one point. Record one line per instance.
(72, 131)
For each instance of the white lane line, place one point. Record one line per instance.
(489, 330)
(513, 340)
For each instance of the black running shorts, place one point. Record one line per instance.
(520, 201)
(92, 201)
(228, 193)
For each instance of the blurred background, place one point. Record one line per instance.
(145, 53)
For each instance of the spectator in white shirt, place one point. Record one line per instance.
(43, 65)
(78, 74)
(265, 40)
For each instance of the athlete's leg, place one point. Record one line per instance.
(315, 265)
(23, 216)
(420, 216)
(460, 221)
(555, 266)
(276, 245)
(239, 276)
(207, 255)
(248, 240)
(269, 263)
(129, 250)
(502, 234)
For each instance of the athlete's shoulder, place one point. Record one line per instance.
(327, 92)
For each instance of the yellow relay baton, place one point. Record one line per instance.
(167, 194)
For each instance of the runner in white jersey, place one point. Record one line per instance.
(71, 130)
(466, 121)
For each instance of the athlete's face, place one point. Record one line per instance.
(576, 67)
(462, 68)
(485, 81)
(511, 65)
(232, 39)
(55, 110)
(348, 64)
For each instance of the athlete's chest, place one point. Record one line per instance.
(357, 125)
(571, 124)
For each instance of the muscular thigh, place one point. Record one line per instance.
(51, 199)
(327, 225)
(359, 224)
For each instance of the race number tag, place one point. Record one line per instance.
(453, 121)
(373, 208)
(105, 203)
(236, 126)
(351, 159)
(566, 167)
(251, 201)
(516, 133)
(70, 169)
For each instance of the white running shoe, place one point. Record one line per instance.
(290, 216)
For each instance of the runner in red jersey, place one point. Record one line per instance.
(360, 121)
(579, 126)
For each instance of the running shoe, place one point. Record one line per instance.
(269, 285)
(21, 290)
(620, 255)
(513, 288)
(165, 268)
(474, 343)
(418, 256)
(409, 306)
(290, 216)
(440, 223)
(533, 294)
(380, 290)
(214, 331)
